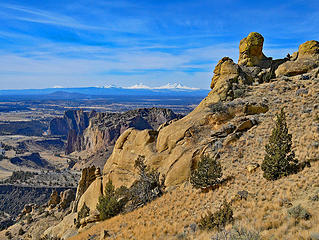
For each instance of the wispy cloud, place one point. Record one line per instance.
(44, 17)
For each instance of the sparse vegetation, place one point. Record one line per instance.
(146, 188)
(112, 202)
(218, 107)
(84, 212)
(207, 174)
(237, 233)
(238, 93)
(217, 220)
(21, 175)
(279, 160)
(298, 213)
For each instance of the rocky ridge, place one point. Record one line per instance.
(232, 123)
(223, 118)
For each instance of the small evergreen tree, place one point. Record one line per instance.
(147, 187)
(219, 219)
(112, 202)
(207, 174)
(279, 160)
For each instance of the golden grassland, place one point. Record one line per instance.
(265, 210)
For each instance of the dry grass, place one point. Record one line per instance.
(265, 210)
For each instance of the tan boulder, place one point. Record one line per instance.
(63, 230)
(244, 125)
(54, 199)
(87, 177)
(67, 197)
(91, 196)
(307, 59)
(120, 166)
(252, 167)
(250, 51)
(309, 49)
(226, 74)
(225, 67)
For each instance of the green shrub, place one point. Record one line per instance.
(218, 108)
(207, 174)
(298, 213)
(238, 93)
(84, 212)
(279, 160)
(21, 231)
(147, 188)
(217, 220)
(112, 202)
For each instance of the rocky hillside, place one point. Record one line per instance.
(233, 123)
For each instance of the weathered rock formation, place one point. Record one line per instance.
(71, 125)
(228, 76)
(250, 51)
(94, 131)
(303, 61)
(175, 149)
(87, 177)
(105, 128)
(76, 120)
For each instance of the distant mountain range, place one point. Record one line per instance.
(93, 92)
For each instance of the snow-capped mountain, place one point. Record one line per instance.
(167, 86)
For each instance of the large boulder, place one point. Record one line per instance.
(91, 196)
(309, 49)
(64, 230)
(227, 75)
(304, 61)
(67, 197)
(87, 177)
(250, 51)
(54, 199)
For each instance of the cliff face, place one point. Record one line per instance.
(94, 131)
(76, 120)
(105, 128)
(71, 125)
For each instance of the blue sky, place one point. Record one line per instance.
(95, 43)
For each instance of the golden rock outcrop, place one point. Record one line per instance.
(301, 62)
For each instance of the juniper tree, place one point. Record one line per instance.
(279, 160)
(207, 174)
(112, 202)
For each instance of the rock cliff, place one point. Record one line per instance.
(71, 125)
(105, 128)
(95, 132)
(175, 148)
(76, 120)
